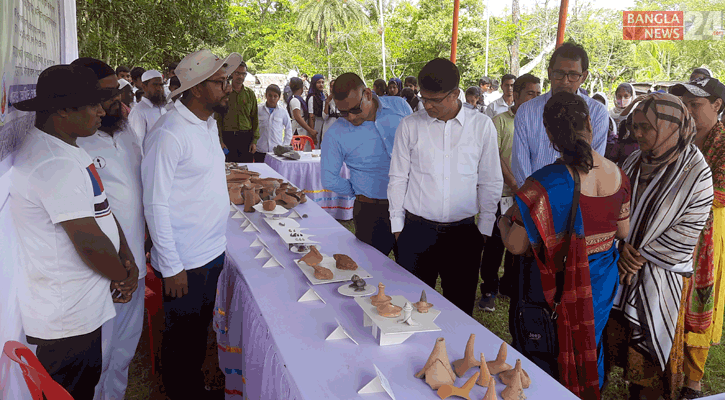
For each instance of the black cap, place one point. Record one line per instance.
(100, 68)
(65, 86)
(701, 87)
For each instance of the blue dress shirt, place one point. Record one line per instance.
(365, 149)
(532, 149)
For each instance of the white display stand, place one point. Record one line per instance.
(311, 295)
(272, 262)
(338, 275)
(340, 333)
(278, 210)
(263, 253)
(286, 227)
(378, 384)
(389, 331)
(238, 215)
(244, 224)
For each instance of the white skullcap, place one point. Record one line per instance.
(122, 83)
(150, 74)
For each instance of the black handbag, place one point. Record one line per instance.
(534, 323)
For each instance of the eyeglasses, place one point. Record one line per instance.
(356, 110)
(436, 101)
(570, 76)
(222, 82)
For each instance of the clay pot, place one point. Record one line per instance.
(422, 306)
(322, 273)
(269, 205)
(344, 262)
(515, 390)
(235, 195)
(437, 370)
(389, 310)
(380, 298)
(468, 360)
(485, 374)
(446, 391)
(499, 364)
(251, 198)
(235, 174)
(313, 257)
(508, 376)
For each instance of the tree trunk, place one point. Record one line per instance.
(515, 14)
(329, 61)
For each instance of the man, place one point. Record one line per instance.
(74, 249)
(126, 96)
(117, 158)
(568, 69)
(444, 170)
(136, 74)
(170, 73)
(123, 73)
(485, 85)
(239, 127)
(152, 106)
(186, 204)
(173, 85)
(503, 103)
(525, 88)
(705, 100)
(363, 139)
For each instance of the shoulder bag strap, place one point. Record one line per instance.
(561, 257)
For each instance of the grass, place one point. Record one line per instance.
(144, 385)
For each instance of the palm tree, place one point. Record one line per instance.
(319, 19)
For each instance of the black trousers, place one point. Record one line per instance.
(428, 249)
(372, 226)
(183, 344)
(238, 143)
(74, 362)
(493, 251)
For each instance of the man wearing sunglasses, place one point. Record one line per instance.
(445, 169)
(532, 150)
(363, 139)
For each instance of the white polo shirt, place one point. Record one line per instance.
(274, 128)
(185, 196)
(143, 117)
(118, 161)
(54, 182)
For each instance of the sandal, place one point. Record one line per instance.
(688, 393)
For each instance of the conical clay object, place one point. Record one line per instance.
(514, 391)
(438, 376)
(422, 306)
(439, 353)
(313, 257)
(389, 310)
(446, 391)
(499, 364)
(235, 195)
(485, 375)
(468, 360)
(322, 273)
(507, 376)
(491, 393)
(380, 298)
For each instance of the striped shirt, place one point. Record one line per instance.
(532, 149)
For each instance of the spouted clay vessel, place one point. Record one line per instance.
(437, 370)
(446, 391)
(499, 364)
(468, 360)
(380, 298)
(422, 306)
(507, 376)
(515, 390)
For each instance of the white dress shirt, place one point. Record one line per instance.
(445, 171)
(185, 196)
(274, 128)
(118, 161)
(143, 117)
(497, 107)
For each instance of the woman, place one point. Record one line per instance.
(671, 200)
(591, 277)
(330, 113)
(316, 103)
(623, 97)
(610, 152)
(381, 89)
(413, 101)
(395, 86)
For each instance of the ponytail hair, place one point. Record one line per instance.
(565, 118)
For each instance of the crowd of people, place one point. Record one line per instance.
(609, 223)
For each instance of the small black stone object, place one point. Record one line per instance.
(358, 283)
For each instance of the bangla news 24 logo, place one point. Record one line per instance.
(672, 25)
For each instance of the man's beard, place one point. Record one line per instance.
(159, 100)
(114, 119)
(221, 108)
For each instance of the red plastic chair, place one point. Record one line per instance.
(298, 142)
(36, 377)
(154, 304)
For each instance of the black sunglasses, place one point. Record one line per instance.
(356, 110)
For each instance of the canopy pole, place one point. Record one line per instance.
(563, 11)
(382, 27)
(454, 38)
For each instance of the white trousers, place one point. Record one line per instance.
(119, 339)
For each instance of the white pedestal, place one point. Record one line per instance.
(389, 331)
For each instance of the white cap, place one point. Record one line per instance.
(150, 74)
(122, 83)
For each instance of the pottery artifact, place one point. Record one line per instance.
(313, 257)
(491, 393)
(358, 283)
(446, 391)
(269, 205)
(468, 360)
(408, 315)
(485, 375)
(389, 310)
(437, 370)
(422, 306)
(251, 198)
(380, 298)
(507, 376)
(515, 390)
(235, 195)
(344, 262)
(322, 273)
(499, 364)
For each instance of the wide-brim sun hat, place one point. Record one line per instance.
(200, 65)
(66, 86)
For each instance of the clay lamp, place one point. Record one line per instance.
(437, 370)
(499, 364)
(446, 391)
(422, 306)
(380, 298)
(468, 361)
(389, 310)
(515, 390)
(508, 376)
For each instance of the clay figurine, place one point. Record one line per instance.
(468, 360)
(322, 273)
(485, 375)
(235, 195)
(422, 306)
(491, 393)
(446, 391)
(251, 198)
(437, 370)
(358, 283)
(499, 364)
(269, 205)
(408, 315)
(344, 262)
(313, 257)
(380, 298)
(389, 310)
(507, 376)
(515, 390)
